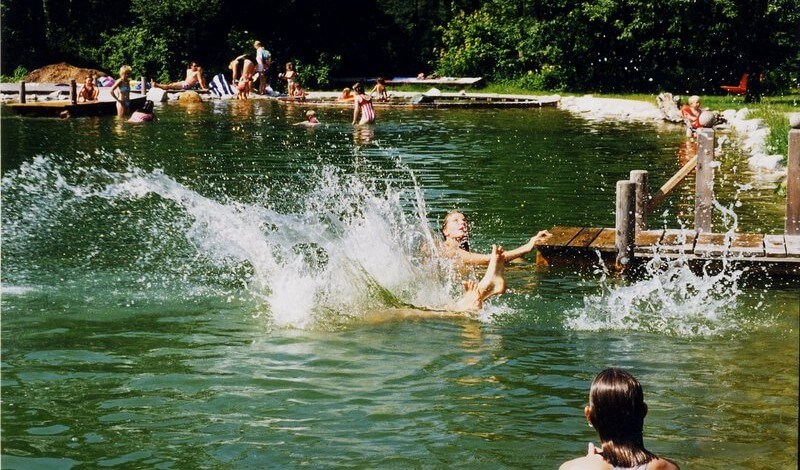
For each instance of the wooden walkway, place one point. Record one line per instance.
(774, 254)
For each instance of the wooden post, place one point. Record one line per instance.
(625, 223)
(22, 92)
(642, 198)
(144, 85)
(792, 226)
(73, 92)
(704, 184)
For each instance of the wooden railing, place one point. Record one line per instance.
(634, 203)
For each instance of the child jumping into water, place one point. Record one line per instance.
(455, 231)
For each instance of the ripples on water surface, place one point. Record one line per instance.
(202, 292)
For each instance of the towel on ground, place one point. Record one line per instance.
(220, 87)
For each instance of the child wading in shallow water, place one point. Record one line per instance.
(362, 104)
(122, 87)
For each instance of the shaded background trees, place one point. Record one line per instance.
(602, 45)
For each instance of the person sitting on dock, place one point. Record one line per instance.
(380, 90)
(455, 231)
(143, 115)
(123, 87)
(347, 95)
(89, 92)
(616, 410)
(299, 93)
(194, 78)
(362, 104)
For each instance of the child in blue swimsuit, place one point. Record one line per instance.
(123, 84)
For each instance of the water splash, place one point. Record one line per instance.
(669, 298)
(350, 244)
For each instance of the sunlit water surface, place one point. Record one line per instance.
(221, 289)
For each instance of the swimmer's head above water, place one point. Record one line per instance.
(455, 227)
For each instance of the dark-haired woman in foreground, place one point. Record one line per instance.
(617, 410)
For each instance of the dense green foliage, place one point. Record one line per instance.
(600, 45)
(613, 45)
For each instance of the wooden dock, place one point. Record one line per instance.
(630, 244)
(441, 100)
(586, 246)
(55, 108)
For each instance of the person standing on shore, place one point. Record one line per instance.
(264, 60)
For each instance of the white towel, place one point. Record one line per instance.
(220, 87)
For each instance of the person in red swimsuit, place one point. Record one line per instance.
(691, 114)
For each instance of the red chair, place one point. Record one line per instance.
(740, 89)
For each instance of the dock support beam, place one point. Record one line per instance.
(144, 85)
(625, 223)
(792, 226)
(642, 198)
(73, 92)
(704, 184)
(22, 92)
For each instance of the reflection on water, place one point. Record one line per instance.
(149, 272)
(362, 135)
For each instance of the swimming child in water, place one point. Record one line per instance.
(311, 119)
(143, 115)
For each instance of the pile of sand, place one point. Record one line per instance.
(61, 73)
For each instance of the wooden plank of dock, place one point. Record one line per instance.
(792, 246)
(585, 237)
(747, 245)
(678, 241)
(774, 246)
(709, 245)
(579, 247)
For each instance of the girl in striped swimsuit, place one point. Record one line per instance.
(363, 104)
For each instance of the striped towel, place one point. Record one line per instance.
(219, 86)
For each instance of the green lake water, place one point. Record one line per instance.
(202, 292)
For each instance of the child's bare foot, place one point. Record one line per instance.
(494, 281)
(471, 300)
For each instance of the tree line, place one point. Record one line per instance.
(579, 45)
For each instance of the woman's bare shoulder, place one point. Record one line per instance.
(662, 464)
(594, 462)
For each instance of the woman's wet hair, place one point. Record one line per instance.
(617, 411)
(358, 88)
(147, 107)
